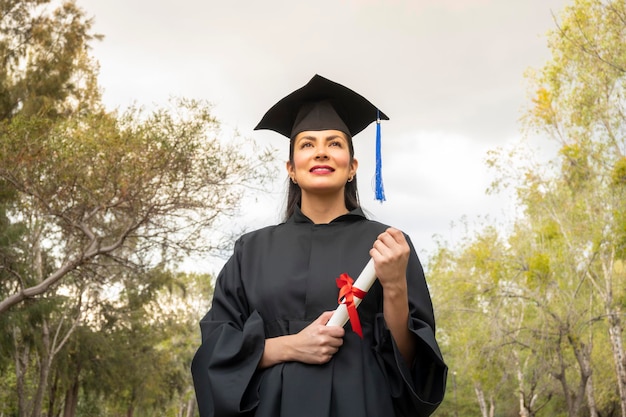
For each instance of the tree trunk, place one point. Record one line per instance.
(526, 400)
(53, 395)
(591, 399)
(44, 367)
(616, 331)
(71, 398)
(44, 370)
(191, 406)
(523, 410)
(480, 395)
(582, 352)
(22, 353)
(562, 378)
(615, 335)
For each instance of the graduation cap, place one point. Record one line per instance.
(323, 104)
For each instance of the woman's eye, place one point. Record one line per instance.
(335, 143)
(306, 145)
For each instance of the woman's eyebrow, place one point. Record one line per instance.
(325, 138)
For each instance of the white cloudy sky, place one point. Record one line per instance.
(448, 73)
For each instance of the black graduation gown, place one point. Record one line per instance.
(281, 278)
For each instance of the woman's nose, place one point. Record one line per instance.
(321, 154)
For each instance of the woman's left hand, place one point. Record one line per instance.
(391, 256)
(391, 253)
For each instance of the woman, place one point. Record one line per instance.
(266, 349)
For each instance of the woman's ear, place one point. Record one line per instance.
(290, 170)
(354, 167)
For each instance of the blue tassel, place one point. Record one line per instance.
(380, 191)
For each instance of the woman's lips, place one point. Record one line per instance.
(321, 169)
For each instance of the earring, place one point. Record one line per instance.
(293, 179)
(351, 178)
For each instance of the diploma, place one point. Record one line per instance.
(364, 283)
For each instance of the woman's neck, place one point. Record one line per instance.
(323, 209)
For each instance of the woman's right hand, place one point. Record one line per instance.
(315, 344)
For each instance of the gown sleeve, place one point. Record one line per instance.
(418, 389)
(224, 367)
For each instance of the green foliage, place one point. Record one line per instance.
(575, 166)
(97, 209)
(132, 186)
(546, 304)
(465, 282)
(46, 70)
(538, 270)
(618, 175)
(133, 353)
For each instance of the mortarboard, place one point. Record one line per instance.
(323, 104)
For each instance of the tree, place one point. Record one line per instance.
(579, 101)
(131, 191)
(90, 199)
(45, 68)
(554, 302)
(470, 316)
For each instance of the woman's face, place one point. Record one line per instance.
(321, 161)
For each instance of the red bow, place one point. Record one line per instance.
(346, 296)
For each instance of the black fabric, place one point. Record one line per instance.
(286, 116)
(320, 115)
(279, 280)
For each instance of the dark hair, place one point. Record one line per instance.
(294, 196)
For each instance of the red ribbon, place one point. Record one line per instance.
(346, 296)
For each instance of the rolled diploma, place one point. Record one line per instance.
(363, 282)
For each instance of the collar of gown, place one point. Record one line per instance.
(299, 217)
